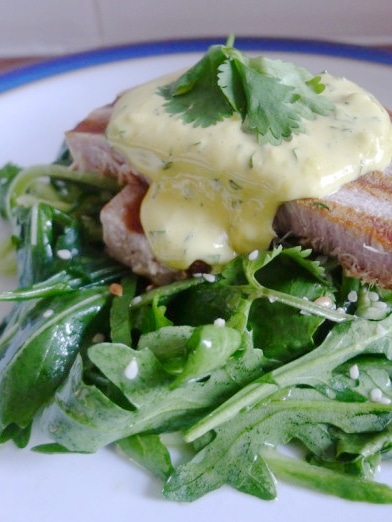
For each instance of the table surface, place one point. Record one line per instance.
(7, 64)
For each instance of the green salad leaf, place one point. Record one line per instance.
(38, 347)
(234, 414)
(241, 454)
(267, 372)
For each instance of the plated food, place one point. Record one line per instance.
(242, 353)
(206, 190)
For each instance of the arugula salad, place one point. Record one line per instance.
(278, 368)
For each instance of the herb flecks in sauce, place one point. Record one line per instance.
(266, 126)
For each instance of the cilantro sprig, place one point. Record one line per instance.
(271, 97)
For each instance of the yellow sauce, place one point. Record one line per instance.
(214, 191)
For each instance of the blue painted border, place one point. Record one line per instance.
(72, 62)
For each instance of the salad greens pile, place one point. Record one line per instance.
(277, 368)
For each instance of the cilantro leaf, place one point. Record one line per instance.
(270, 110)
(307, 88)
(196, 94)
(272, 97)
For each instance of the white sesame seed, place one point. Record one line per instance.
(48, 313)
(376, 395)
(253, 255)
(219, 322)
(373, 296)
(64, 254)
(352, 296)
(196, 275)
(324, 301)
(98, 338)
(210, 278)
(136, 300)
(132, 369)
(207, 343)
(354, 372)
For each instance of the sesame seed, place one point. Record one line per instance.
(210, 278)
(324, 301)
(48, 313)
(98, 338)
(375, 394)
(354, 372)
(136, 300)
(373, 296)
(132, 369)
(352, 296)
(219, 322)
(253, 255)
(64, 254)
(207, 343)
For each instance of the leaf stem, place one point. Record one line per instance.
(26, 177)
(350, 340)
(305, 306)
(328, 481)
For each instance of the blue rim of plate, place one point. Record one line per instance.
(72, 62)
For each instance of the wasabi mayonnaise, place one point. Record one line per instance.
(214, 191)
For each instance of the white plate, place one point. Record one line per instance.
(40, 102)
